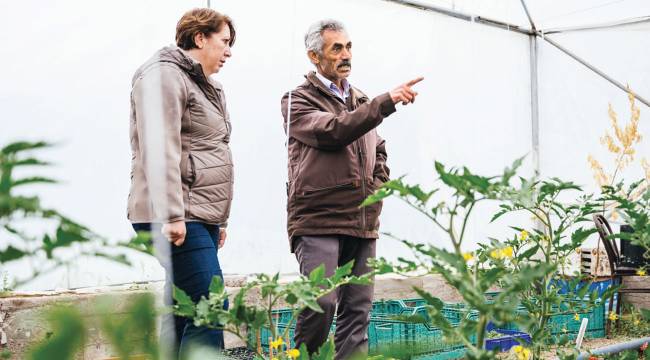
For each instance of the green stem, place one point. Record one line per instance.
(480, 332)
(462, 231)
(269, 313)
(450, 229)
(538, 217)
(545, 311)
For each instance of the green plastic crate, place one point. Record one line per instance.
(385, 334)
(385, 331)
(391, 307)
(414, 302)
(423, 340)
(454, 312)
(565, 324)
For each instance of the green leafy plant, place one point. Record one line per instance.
(633, 322)
(525, 268)
(472, 274)
(67, 336)
(300, 294)
(17, 209)
(558, 234)
(141, 320)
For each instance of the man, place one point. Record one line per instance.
(336, 159)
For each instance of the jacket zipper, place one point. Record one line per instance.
(363, 184)
(349, 104)
(193, 177)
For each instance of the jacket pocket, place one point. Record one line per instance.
(188, 171)
(376, 183)
(351, 184)
(192, 171)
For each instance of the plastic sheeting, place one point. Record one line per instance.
(549, 14)
(69, 80)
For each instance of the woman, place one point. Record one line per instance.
(182, 176)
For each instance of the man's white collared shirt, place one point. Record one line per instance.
(334, 89)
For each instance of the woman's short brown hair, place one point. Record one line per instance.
(205, 21)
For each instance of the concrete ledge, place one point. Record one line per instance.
(21, 314)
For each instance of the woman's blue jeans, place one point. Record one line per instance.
(192, 267)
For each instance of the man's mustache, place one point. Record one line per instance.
(344, 63)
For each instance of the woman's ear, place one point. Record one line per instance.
(199, 40)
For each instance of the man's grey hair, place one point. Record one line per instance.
(314, 36)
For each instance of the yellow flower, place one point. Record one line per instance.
(521, 352)
(277, 343)
(637, 322)
(293, 353)
(523, 235)
(468, 256)
(576, 317)
(641, 272)
(507, 252)
(502, 253)
(612, 316)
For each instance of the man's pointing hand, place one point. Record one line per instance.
(404, 93)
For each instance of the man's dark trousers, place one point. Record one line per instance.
(354, 301)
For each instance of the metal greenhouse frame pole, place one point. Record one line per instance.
(608, 25)
(463, 16)
(534, 104)
(534, 92)
(579, 59)
(533, 33)
(594, 69)
(541, 33)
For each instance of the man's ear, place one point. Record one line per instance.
(313, 57)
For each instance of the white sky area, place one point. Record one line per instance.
(66, 78)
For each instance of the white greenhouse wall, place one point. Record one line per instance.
(67, 80)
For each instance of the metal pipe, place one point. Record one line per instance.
(530, 19)
(534, 103)
(464, 16)
(610, 25)
(594, 69)
(424, 6)
(616, 348)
